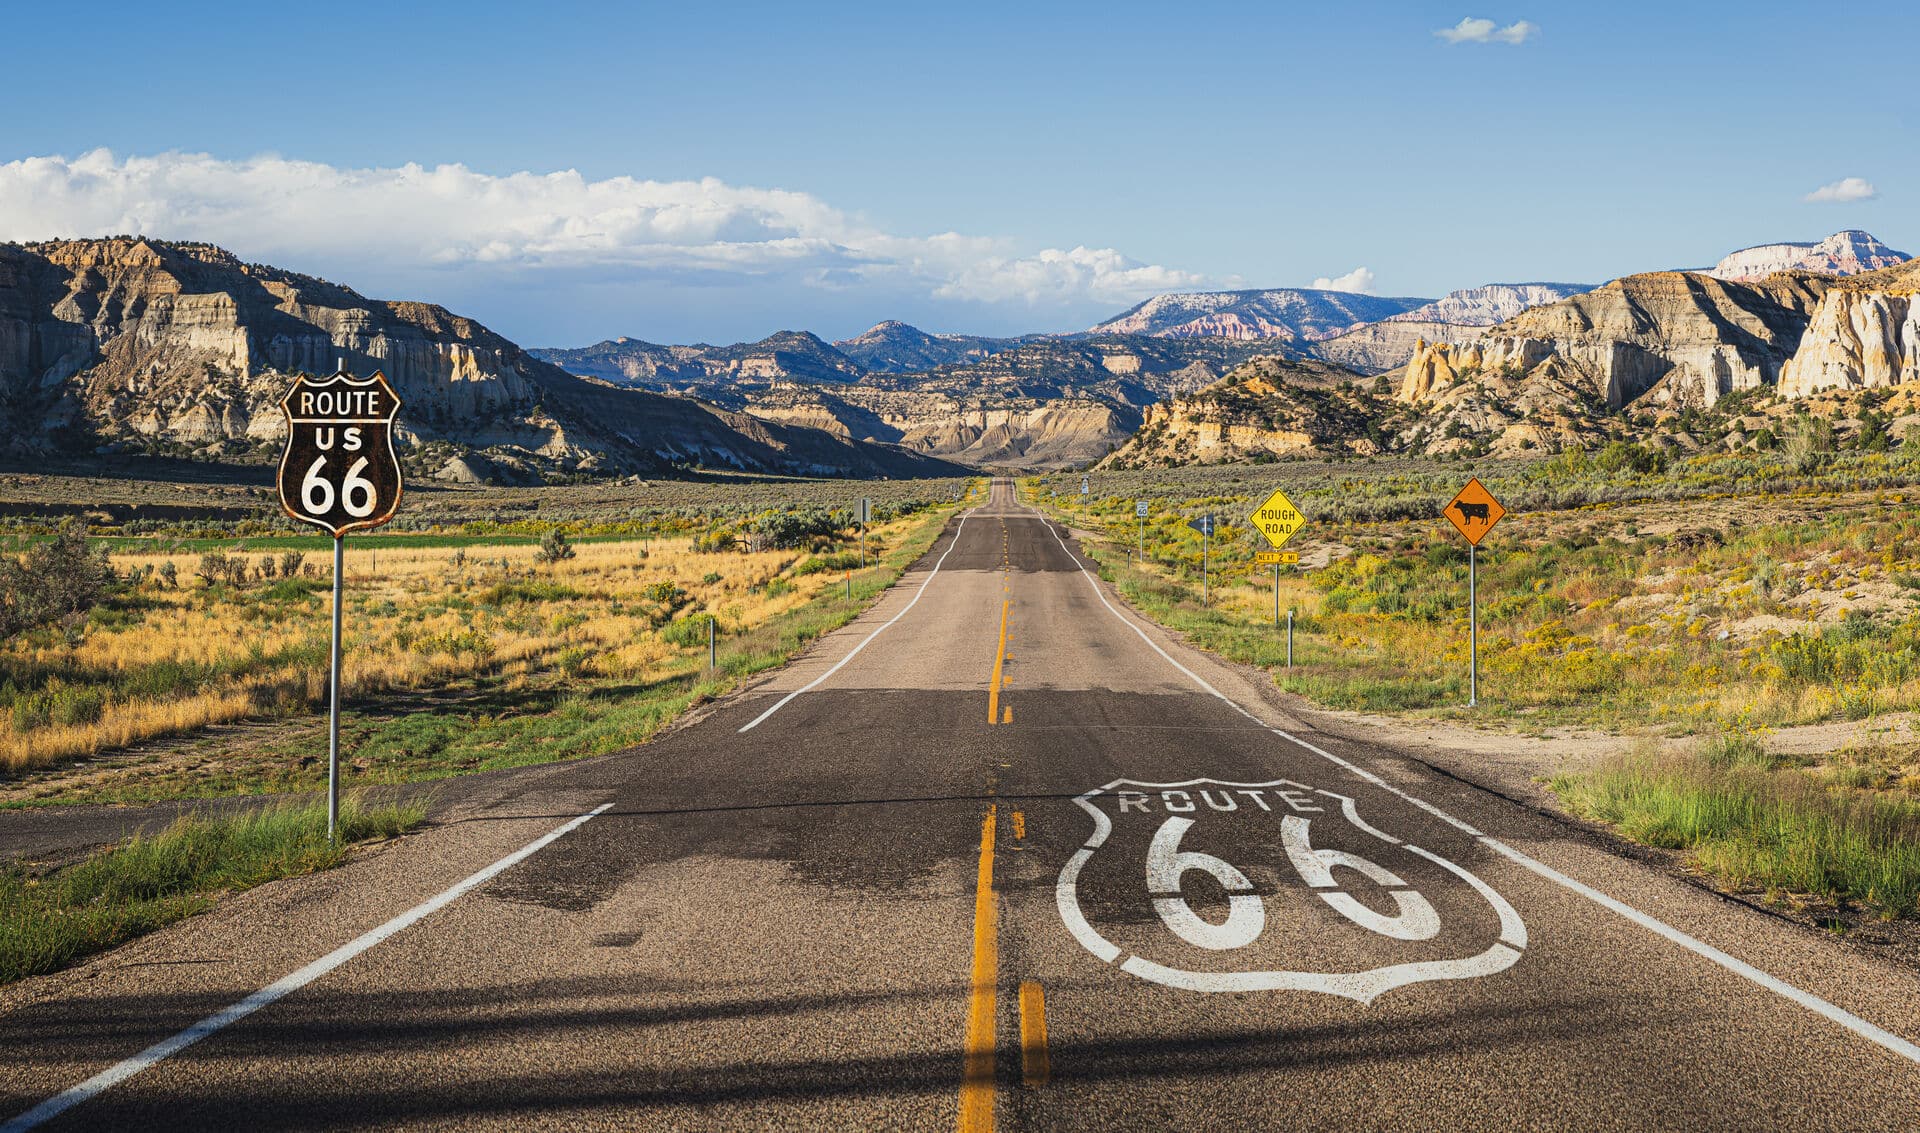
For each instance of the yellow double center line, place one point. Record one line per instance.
(976, 1084)
(999, 664)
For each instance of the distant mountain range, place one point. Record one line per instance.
(1285, 313)
(180, 348)
(1844, 253)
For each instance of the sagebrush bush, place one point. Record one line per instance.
(53, 580)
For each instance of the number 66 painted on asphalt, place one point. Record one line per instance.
(1168, 864)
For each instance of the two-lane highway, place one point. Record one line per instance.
(998, 855)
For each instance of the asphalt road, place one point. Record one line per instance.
(998, 855)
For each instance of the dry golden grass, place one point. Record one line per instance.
(416, 618)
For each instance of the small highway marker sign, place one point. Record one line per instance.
(1203, 524)
(1277, 558)
(1278, 519)
(339, 472)
(1474, 511)
(1140, 509)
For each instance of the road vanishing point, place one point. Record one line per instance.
(999, 854)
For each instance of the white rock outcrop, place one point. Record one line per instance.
(1857, 340)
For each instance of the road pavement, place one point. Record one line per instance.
(1001, 855)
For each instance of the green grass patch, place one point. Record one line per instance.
(1779, 831)
(49, 922)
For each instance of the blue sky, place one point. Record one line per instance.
(987, 168)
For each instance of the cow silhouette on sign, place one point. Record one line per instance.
(1470, 512)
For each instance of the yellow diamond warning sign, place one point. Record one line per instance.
(1278, 519)
(1474, 511)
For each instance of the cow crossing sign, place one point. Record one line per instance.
(1474, 511)
(1278, 519)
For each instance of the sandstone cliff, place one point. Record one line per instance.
(1864, 334)
(1677, 338)
(1267, 408)
(182, 347)
(1384, 346)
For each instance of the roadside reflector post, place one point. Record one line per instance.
(849, 586)
(1473, 512)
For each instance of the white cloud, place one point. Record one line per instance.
(1359, 279)
(1844, 190)
(1476, 30)
(1100, 273)
(301, 213)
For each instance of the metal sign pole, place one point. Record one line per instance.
(333, 695)
(1473, 625)
(1206, 538)
(710, 659)
(1289, 639)
(1276, 595)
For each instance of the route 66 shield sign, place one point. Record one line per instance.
(1209, 885)
(339, 471)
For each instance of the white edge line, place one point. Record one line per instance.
(1835, 1014)
(855, 652)
(1811, 1002)
(166, 1048)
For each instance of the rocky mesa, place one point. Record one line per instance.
(182, 348)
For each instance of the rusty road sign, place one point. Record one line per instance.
(339, 471)
(1474, 511)
(340, 474)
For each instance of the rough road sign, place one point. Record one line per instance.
(1276, 558)
(1278, 519)
(1342, 908)
(1474, 511)
(339, 472)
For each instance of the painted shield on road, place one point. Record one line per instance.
(1279, 886)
